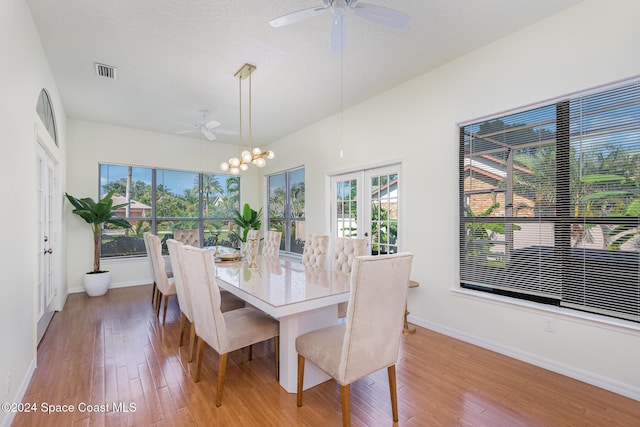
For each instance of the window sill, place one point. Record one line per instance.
(589, 319)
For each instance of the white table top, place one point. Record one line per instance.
(282, 286)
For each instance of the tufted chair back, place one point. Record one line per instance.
(187, 237)
(253, 234)
(344, 250)
(315, 251)
(271, 243)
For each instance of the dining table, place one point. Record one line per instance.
(302, 298)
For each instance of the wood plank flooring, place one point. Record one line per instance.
(112, 350)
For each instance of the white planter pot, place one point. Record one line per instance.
(97, 284)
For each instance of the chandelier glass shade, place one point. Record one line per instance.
(252, 155)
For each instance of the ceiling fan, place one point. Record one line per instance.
(370, 12)
(206, 127)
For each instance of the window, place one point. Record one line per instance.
(45, 112)
(167, 202)
(286, 208)
(550, 203)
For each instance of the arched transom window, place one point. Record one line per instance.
(45, 111)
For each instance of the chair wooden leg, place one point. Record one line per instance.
(300, 378)
(166, 302)
(199, 352)
(345, 399)
(158, 301)
(183, 324)
(192, 339)
(276, 354)
(153, 293)
(391, 370)
(221, 371)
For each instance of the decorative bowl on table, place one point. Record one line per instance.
(229, 257)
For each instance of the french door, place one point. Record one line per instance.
(47, 237)
(365, 204)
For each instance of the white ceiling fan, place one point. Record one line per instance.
(374, 13)
(206, 127)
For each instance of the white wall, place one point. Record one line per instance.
(92, 143)
(24, 71)
(591, 44)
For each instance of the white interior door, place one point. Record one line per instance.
(47, 237)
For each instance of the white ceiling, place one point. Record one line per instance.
(175, 57)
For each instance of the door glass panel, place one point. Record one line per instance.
(384, 213)
(346, 208)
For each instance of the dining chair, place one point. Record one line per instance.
(188, 237)
(153, 274)
(253, 234)
(165, 285)
(271, 243)
(315, 250)
(228, 301)
(369, 340)
(147, 246)
(184, 298)
(224, 332)
(344, 251)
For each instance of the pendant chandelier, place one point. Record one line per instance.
(254, 155)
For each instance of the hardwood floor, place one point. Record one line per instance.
(112, 350)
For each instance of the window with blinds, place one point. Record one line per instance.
(550, 203)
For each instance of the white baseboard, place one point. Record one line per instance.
(22, 390)
(114, 285)
(600, 381)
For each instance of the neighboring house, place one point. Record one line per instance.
(483, 176)
(136, 209)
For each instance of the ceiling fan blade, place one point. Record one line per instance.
(381, 15)
(298, 16)
(212, 124)
(337, 34)
(184, 131)
(208, 134)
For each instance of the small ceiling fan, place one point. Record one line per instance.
(206, 127)
(370, 12)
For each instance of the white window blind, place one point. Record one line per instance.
(550, 201)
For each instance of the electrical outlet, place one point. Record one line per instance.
(550, 325)
(8, 384)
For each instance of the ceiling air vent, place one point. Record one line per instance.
(106, 71)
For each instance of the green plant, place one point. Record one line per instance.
(96, 214)
(246, 220)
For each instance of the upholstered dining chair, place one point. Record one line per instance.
(253, 234)
(187, 237)
(153, 273)
(184, 298)
(344, 251)
(369, 340)
(315, 251)
(228, 301)
(271, 243)
(165, 285)
(147, 246)
(224, 332)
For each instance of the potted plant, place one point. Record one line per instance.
(246, 220)
(96, 214)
